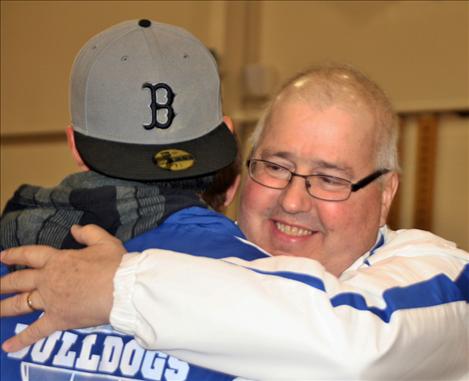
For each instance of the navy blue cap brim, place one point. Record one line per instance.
(209, 153)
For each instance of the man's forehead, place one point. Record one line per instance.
(317, 138)
(286, 117)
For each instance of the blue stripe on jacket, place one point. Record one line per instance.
(437, 290)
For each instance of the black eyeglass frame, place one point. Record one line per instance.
(353, 186)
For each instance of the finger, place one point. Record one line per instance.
(31, 256)
(90, 235)
(41, 328)
(18, 281)
(18, 304)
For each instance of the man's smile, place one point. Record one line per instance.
(291, 230)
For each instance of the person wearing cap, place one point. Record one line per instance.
(155, 152)
(341, 297)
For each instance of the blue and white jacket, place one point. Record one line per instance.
(101, 353)
(400, 312)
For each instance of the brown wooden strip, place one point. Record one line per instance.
(426, 166)
(33, 138)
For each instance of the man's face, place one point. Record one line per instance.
(333, 141)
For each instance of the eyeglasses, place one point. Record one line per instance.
(323, 187)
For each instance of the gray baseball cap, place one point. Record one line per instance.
(146, 105)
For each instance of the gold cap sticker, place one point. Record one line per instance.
(174, 159)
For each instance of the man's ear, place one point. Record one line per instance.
(389, 191)
(231, 192)
(229, 123)
(73, 149)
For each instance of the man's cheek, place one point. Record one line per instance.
(257, 197)
(333, 215)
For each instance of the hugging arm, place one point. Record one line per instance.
(288, 317)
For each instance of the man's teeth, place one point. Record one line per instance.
(293, 230)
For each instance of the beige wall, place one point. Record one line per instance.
(417, 50)
(452, 185)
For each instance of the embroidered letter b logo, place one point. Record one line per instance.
(162, 113)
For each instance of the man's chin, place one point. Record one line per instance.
(303, 246)
(290, 252)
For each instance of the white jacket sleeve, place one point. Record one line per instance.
(406, 316)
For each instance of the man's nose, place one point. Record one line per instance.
(295, 197)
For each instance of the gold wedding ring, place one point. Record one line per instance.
(29, 301)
